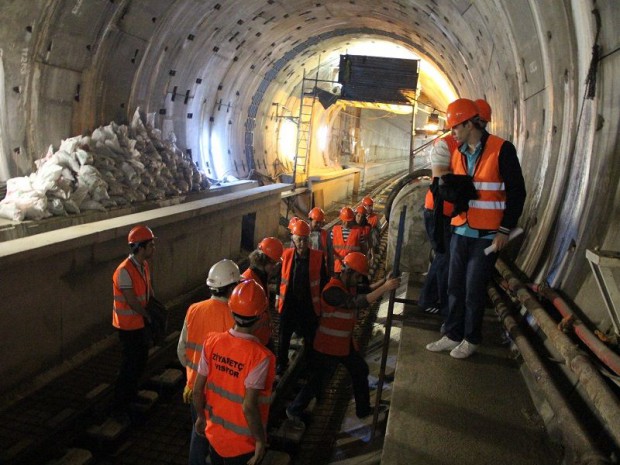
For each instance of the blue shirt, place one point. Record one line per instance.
(472, 158)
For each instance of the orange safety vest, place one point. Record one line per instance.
(316, 262)
(373, 220)
(209, 316)
(230, 360)
(429, 201)
(123, 316)
(263, 329)
(333, 336)
(341, 249)
(487, 211)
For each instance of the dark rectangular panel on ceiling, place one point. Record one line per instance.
(378, 79)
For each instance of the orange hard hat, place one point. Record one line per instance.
(272, 247)
(301, 228)
(248, 299)
(139, 234)
(368, 201)
(317, 214)
(484, 109)
(346, 214)
(459, 111)
(357, 261)
(361, 209)
(292, 221)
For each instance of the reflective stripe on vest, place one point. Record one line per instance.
(315, 262)
(123, 316)
(485, 212)
(333, 336)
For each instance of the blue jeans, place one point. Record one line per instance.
(198, 445)
(435, 289)
(470, 271)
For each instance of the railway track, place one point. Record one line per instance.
(54, 424)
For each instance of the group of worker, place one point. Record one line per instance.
(474, 202)
(226, 342)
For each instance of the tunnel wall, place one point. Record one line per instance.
(56, 286)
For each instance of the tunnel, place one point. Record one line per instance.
(223, 82)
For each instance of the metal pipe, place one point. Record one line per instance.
(574, 434)
(388, 322)
(598, 348)
(604, 401)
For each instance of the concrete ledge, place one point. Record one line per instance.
(30, 248)
(10, 230)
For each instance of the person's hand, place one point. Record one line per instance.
(391, 284)
(259, 453)
(500, 241)
(187, 394)
(200, 425)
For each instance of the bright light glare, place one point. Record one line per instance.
(431, 127)
(217, 156)
(322, 135)
(287, 139)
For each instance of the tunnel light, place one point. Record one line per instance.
(432, 124)
(287, 139)
(217, 156)
(322, 137)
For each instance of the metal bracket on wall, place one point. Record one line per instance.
(605, 265)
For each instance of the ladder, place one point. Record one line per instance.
(304, 128)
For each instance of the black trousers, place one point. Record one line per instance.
(135, 352)
(298, 319)
(217, 459)
(323, 367)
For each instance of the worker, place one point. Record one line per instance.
(334, 342)
(318, 235)
(131, 284)
(292, 221)
(375, 226)
(303, 276)
(493, 164)
(265, 263)
(202, 318)
(434, 293)
(234, 383)
(345, 238)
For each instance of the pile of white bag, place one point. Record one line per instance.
(113, 167)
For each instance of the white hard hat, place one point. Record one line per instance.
(223, 273)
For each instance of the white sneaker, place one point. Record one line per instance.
(463, 350)
(445, 343)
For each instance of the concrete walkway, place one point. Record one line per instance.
(466, 412)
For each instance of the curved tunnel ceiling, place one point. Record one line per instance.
(209, 67)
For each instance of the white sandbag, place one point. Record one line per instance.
(16, 186)
(45, 178)
(56, 207)
(78, 196)
(108, 203)
(120, 200)
(70, 145)
(10, 211)
(92, 205)
(83, 157)
(99, 192)
(71, 206)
